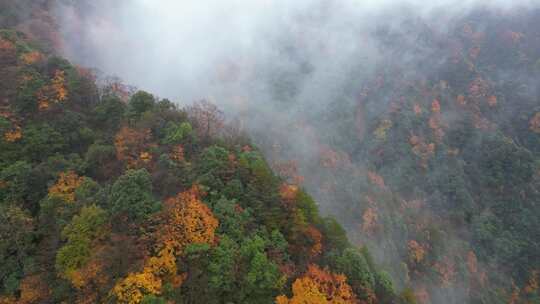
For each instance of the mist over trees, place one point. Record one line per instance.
(415, 125)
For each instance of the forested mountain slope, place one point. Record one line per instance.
(111, 197)
(428, 154)
(434, 160)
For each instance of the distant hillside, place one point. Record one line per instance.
(434, 161)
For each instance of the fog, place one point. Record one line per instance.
(277, 65)
(177, 48)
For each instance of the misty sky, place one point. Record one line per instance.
(184, 49)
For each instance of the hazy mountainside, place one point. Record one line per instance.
(434, 161)
(105, 200)
(428, 154)
(35, 18)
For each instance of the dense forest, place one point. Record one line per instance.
(433, 161)
(429, 161)
(112, 196)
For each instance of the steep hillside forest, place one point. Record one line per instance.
(427, 176)
(110, 196)
(433, 162)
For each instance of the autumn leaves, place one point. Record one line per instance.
(319, 286)
(133, 147)
(185, 220)
(20, 63)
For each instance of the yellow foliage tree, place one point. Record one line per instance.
(318, 286)
(164, 264)
(417, 252)
(132, 289)
(55, 92)
(186, 220)
(32, 57)
(92, 273)
(288, 192)
(13, 135)
(7, 300)
(66, 185)
(132, 147)
(156, 269)
(58, 85)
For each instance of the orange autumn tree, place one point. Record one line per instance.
(132, 147)
(6, 45)
(186, 220)
(417, 252)
(93, 278)
(34, 289)
(319, 286)
(315, 236)
(460, 100)
(58, 85)
(32, 57)
(55, 92)
(288, 192)
(66, 185)
(13, 135)
(157, 269)
(7, 300)
(132, 289)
